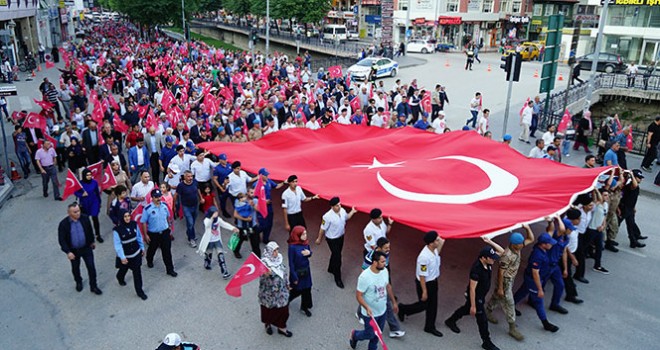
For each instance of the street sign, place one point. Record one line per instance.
(553, 46)
(8, 90)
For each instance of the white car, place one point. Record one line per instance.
(386, 68)
(418, 45)
(352, 35)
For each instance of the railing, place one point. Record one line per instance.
(575, 93)
(344, 47)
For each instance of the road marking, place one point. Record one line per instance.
(632, 252)
(26, 103)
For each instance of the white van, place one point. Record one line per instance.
(332, 32)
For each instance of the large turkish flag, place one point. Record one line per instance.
(457, 183)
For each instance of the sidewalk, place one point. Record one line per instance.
(576, 158)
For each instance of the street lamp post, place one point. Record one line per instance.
(594, 64)
(267, 26)
(183, 19)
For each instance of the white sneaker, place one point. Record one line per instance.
(360, 320)
(192, 243)
(397, 334)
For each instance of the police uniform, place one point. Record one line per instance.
(482, 274)
(128, 245)
(334, 226)
(555, 255)
(428, 266)
(509, 264)
(158, 229)
(220, 172)
(292, 202)
(371, 234)
(540, 261)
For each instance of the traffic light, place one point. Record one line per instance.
(506, 64)
(509, 66)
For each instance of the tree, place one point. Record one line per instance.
(154, 12)
(239, 8)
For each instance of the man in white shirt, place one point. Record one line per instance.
(202, 169)
(238, 180)
(427, 274)
(483, 122)
(292, 199)
(140, 190)
(549, 136)
(439, 124)
(182, 159)
(333, 227)
(475, 107)
(526, 121)
(343, 117)
(375, 229)
(537, 151)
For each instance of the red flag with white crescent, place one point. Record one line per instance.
(251, 269)
(136, 215)
(479, 177)
(35, 120)
(523, 107)
(355, 103)
(426, 102)
(335, 72)
(71, 185)
(378, 331)
(46, 105)
(97, 171)
(565, 122)
(108, 180)
(119, 125)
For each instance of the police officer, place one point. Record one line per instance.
(333, 227)
(155, 217)
(558, 256)
(627, 206)
(427, 274)
(538, 268)
(130, 249)
(173, 341)
(292, 199)
(475, 294)
(506, 274)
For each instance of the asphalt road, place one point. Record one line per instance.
(41, 309)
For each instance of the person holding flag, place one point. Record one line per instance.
(333, 228)
(89, 197)
(373, 289)
(46, 159)
(263, 188)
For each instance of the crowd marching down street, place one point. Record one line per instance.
(127, 118)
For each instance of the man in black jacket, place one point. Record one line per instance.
(76, 239)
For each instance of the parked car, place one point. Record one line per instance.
(420, 45)
(352, 35)
(386, 68)
(332, 32)
(607, 62)
(529, 52)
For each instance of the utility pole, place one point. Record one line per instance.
(594, 64)
(267, 26)
(405, 35)
(514, 57)
(183, 20)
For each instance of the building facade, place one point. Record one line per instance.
(632, 30)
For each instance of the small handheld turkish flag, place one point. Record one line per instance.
(355, 104)
(335, 72)
(260, 192)
(378, 331)
(97, 171)
(43, 104)
(34, 120)
(565, 122)
(108, 180)
(426, 102)
(523, 107)
(252, 268)
(136, 215)
(119, 125)
(72, 185)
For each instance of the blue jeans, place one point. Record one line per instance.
(24, 160)
(473, 120)
(368, 333)
(390, 317)
(565, 147)
(190, 213)
(50, 175)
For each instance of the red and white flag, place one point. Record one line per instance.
(119, 125)
(35, 120)
(108, 180)
(50, 64)
(136, 215)
(470, 176)
(97, 171)
(43, 104)
(524, 106)
(71, 185)
(565, 122)
(355, 104)
(426, 102)
(335, 72)
(252, 268)
(378, 331)
(260, 193)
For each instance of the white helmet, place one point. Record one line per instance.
(172, 339)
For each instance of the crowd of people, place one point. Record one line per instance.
(142, 108)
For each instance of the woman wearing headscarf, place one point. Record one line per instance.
(75, 155)
(130, 249)
(212, 240)
(300, 272)
(274, 291)
(122, 180)
(89, 197)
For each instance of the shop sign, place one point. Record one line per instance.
(587, 18)
(537, 22)
(333, 14)
(519, 19)
(632, 2)
(370, 2)
(419, 20)
(372, 19)
(474, 6)
(348, 15)
(447, 20)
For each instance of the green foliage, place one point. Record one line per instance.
(210, 41)
(153, 12)
(239, 8)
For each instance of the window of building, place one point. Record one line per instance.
(452, 5)
(538, 10)
(517, 4)
(549, 10)
(488, 6)
(505, 6)
(403, 5)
